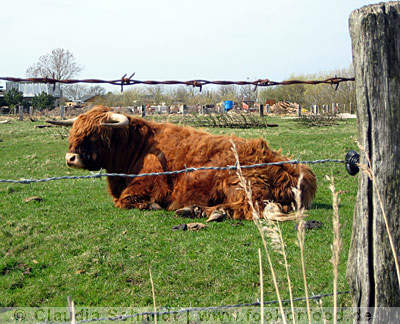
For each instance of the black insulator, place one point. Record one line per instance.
(351, 160)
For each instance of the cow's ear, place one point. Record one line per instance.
(116, 121)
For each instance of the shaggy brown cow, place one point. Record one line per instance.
(118, 143)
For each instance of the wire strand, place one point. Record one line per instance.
(186, 170)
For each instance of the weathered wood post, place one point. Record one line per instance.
(143, 111)
(298, 110)
(21, 112)
(30, 112)
(371, 272)
(62, 112)
(267, 108)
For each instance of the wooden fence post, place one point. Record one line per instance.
(371, 272)
(62, 112)
(314, 109)
(21, 112)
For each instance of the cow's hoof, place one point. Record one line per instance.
(217, 215)
(190, 211)
(154, 206)
(312, 224)
(180, 227)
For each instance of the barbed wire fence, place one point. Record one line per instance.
(192, 309)
(185, 170)
(198, 83)
(128, 81)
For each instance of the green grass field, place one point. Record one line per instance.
(76, 243)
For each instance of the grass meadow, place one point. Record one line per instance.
(76, 243)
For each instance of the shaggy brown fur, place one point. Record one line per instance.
(146, 146)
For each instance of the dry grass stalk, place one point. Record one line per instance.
(154, 297)
(368, 171)
(274, 214)
(337, 243)
(258, 222)
(299, 210)
(274, 233)
(322, 311)
(261, 286)
(71, 309)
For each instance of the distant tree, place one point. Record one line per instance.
(60, 63)
(132, 97)
(308, 95)
(78, 91)
(178, 95)
(228, 92)
(13, 98)
(75, 91)
(157, 92)
(43, 101)
(97, 91)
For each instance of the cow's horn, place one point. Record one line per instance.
(117, 121)
(67, 122)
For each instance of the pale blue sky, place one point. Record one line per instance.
(180, 39)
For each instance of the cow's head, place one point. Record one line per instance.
(91, 137)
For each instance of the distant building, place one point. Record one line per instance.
(30, 90)
(2, 92)
(91, 99)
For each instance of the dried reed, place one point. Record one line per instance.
(154, 297)
(337, 243)
(273, 232)
(261, 286)
(258, 222)
(299, 210)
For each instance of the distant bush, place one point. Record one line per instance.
(43, 101)
(13, 98)
(321, 120)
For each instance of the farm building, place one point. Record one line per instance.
(30, 90)
(90, 100)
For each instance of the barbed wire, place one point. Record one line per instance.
(128, 81)
(199, 309)
(185, 170)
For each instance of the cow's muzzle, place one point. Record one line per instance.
(73, 160)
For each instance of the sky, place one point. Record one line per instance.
(180, 39)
